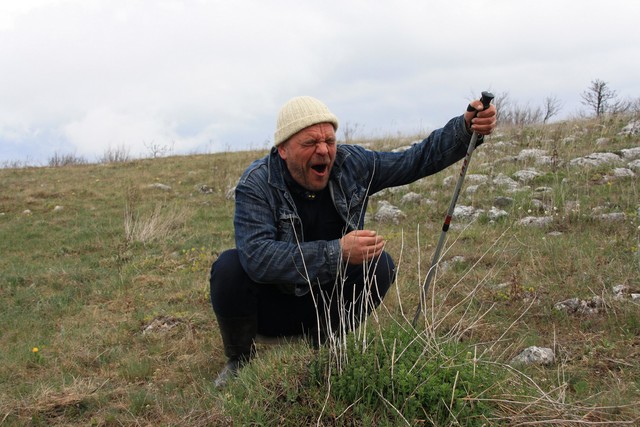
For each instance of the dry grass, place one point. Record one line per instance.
(83, 283)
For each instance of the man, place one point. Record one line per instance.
(304, 264)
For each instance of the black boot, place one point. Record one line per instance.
(238, 335)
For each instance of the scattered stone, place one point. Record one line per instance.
(526, 175)
(161, 324)
(466, 213)
(160, 186)
(547, 160)
(633, 128)
(619, 290)
(635, 297)
(27, 212)
(411, 198)
(476, 178)
(399, 189)
(472, 189)
(595, 159)
(536, 221)
(496, 214)
(503, 202)
(537, 205)
(58, 208)
(623, 173)
(635, 165)
(204, 189)
(502, 144)
(612, 217)
(504, 181)
(500, 286)
(543, 190)
(578, 306)
(631, 153)
(530, 153)
(602, 141)
(470, 179)
(554, 233)
(535, 356)
(388, 213)
(446, 265)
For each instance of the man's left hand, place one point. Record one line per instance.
(484, 121)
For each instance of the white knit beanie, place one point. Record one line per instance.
(299, 113)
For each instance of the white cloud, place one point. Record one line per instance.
(91, 74)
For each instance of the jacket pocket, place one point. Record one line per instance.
(289, 226)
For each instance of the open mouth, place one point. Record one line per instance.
(319, 168)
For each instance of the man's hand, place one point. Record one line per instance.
(484, 122)
(361, 245)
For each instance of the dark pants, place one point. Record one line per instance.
(345, 302)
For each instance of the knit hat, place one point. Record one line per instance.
(299, 113)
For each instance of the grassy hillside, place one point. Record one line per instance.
(104, 289)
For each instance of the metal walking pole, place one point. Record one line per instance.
(486, 99)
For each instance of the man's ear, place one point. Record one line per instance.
(282, 150)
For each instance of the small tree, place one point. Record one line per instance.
(597, 96)
(552, 106)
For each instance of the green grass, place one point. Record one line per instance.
(82, 289)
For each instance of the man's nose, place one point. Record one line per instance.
(322, 148)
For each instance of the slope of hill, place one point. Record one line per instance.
(104, 288)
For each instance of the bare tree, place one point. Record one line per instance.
(552, 106)
(597, 96)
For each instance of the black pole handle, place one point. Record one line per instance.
(486, 99)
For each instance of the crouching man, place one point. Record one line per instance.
(304, 264)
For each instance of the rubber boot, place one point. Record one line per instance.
(238, 335)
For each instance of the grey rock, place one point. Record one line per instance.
(623, 173)
(503, 202)
(526, 175)
(159, 186)
(466, 213)
(612, 217)
(530, 153)
(411, 198)
(631, 153)
(495, 214)
(204, 189)
(535, 356)
(578, 306)
(620, 289)
(595, 159)
(476, 178)
(633, 128)
(536, 221)
(504, 181)
(388, 213)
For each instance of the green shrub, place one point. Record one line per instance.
(406, 374)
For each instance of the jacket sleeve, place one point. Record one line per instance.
(265, 259)
(442, 148)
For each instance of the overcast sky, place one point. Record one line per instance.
(85, 76)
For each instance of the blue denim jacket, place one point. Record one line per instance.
(268, 230)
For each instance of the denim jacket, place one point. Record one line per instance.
(268, 230)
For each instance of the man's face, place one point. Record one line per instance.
(309, 155)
